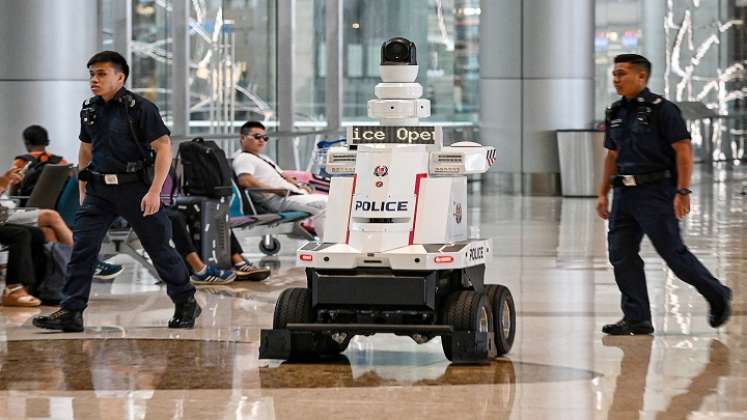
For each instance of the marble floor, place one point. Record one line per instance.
(550, 251)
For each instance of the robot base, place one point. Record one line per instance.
(476, 322)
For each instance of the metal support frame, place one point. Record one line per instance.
(285, 89)
(122, 30)
(180, 68)
(333, 43)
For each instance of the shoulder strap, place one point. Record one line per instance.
(273, 166)
(26, 158)
(129, 102)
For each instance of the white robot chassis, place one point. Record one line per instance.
(396, 257)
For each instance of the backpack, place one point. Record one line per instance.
(34, 170)
(49, 289)
(204, 169)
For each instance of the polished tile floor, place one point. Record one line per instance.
(549, 251)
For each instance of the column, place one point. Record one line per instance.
(536, 76)
(43, 76)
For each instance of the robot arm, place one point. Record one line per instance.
(462, 158)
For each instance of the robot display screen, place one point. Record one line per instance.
(392, 135)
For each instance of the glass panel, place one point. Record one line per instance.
(151, 55)
(705, 49)
(233, 64)
(446, 33)
(310, 59)
(618, 31)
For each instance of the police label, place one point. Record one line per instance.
(477, 253)
(393, 135)
(364, 205)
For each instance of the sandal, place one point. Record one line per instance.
(18, 296)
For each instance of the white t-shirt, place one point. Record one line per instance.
(264, 169)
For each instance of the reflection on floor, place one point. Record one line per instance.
(551, 252)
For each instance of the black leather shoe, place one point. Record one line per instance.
(185, 314)
(63, 320)
(719, 317)
(624, 327)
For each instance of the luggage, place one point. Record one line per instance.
(49, 289)
(203, 169)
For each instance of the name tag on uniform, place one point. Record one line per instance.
(111, 179)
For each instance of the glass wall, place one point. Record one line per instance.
(233, 61)
(446, 33)
(233, 57)
(698, 53)
(151, 55)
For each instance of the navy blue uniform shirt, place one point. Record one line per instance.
(112, 144)
(642, 131)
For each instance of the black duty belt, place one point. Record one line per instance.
(641, 179)
(114, 179)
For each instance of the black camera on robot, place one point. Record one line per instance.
(399, 62)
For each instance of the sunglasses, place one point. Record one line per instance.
(258, 136)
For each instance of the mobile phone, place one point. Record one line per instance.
(23, 170)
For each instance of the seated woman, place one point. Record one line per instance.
(51, 225)
(25, 247)
(205, 273)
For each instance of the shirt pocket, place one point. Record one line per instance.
(119, 128)
(641, 127)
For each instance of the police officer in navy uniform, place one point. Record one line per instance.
(125, 154)
(649, 162)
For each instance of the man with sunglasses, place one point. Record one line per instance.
(257, 171)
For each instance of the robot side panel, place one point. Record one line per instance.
(437, 222)
(337, 219)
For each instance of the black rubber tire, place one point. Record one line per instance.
(273, 249)
(504, 311)
(294, 306)
(462, 310)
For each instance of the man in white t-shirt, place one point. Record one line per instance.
(255, 170)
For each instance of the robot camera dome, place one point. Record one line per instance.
(399, 63)
(398, 51)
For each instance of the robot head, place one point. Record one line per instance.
(399, 62)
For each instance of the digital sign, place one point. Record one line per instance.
(392, 135)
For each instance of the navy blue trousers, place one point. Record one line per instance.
(102, 205)
(649, 210)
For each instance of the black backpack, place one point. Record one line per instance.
(204, 169)
(34, 170)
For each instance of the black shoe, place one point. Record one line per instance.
(63, 320)
(185, 314)
(719, 318)
(624, 327)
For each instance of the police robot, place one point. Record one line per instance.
(395, 256)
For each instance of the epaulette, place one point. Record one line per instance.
(608, 113)
(90, 101)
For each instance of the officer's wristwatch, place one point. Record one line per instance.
(684, 191)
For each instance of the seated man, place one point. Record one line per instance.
(255, 170)
(36, 140)
(205, 273)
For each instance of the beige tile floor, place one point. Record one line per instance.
(549, 251)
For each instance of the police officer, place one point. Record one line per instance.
(120, 134)
(649, 162)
